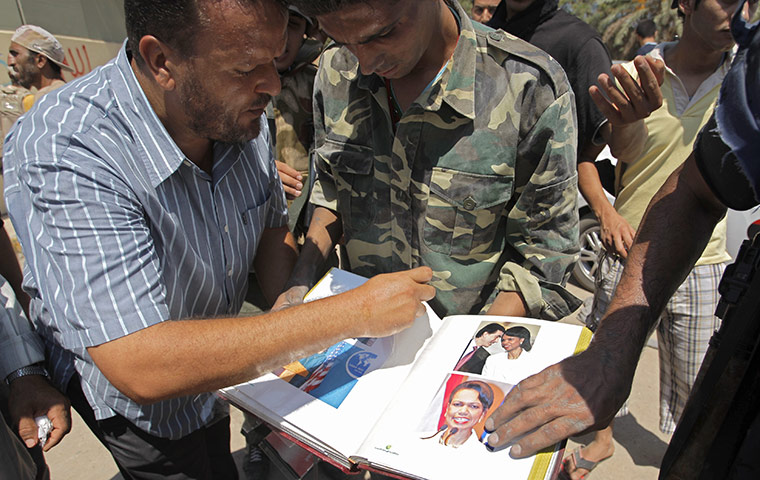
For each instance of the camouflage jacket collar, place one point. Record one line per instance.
(456, 86)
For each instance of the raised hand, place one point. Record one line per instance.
(637, 99)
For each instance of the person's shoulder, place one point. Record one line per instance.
(515, 55)
(566, 22)
(338, 59)
(64, 113)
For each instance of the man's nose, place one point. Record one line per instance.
(369, 61)
(269, 81)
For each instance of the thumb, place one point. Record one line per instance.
(27, 430)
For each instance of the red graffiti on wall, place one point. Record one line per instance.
(79, 66)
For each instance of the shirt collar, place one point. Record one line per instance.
(162, 157)
(680, 96)
(457, 84)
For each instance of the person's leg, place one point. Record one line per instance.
(142, 456)
(602, 446)
(583, 460)
(15, 461)
(683, 336)
(217, 440)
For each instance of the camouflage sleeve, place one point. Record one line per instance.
(277, 211)
(543, 224)
(323, 194)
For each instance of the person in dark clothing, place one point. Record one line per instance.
(544, 25)
(473, 360)
(645, 33)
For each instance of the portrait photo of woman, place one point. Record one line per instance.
(457, 413)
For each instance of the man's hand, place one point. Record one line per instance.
(636, 100)
(389, 303)
(617, 234)
(574, 396)
(291, 180)
(290, 297)
(33, 396)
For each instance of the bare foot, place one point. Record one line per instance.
(601, 448)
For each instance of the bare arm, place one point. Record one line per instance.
(617, 233)
(583, 393)
(627, 106)
(509, 304)
(324, 232)
(274, 261)
(192, 356)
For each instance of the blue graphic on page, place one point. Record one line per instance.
(330, 375)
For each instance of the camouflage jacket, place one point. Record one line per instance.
(11, 107)
(478, 182)
(294, 124)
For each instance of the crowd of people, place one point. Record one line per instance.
(238, 145)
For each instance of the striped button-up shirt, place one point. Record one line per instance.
(121, 231)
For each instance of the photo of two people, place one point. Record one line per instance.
(499, 350)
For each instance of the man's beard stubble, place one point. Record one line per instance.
(209, 119)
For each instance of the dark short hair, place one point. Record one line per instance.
(485, 392)
(680, 13)
(313, 8)
(646, 28)
(490, 328)
(174, 22)
(520, 332)
(171, 21)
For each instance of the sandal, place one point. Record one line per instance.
(579, 462)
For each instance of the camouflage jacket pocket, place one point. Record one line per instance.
(464, 211)
(352, 171)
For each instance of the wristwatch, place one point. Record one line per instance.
(35, 369)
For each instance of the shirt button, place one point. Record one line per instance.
(469, 203)
(226, 229)
(229, 272)
(495, 35)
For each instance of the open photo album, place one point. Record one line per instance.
(412, 405)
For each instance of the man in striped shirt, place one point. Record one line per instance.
(144, 192)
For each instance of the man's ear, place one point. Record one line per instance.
(156, 54)
(40, 60)
(686, 6)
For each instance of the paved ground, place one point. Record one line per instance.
(639, 445)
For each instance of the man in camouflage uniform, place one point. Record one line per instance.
(11, 106)
(473, 175)
(293, 118)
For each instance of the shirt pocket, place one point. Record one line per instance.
(554, 206)
(352, 168)
(464, 211)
